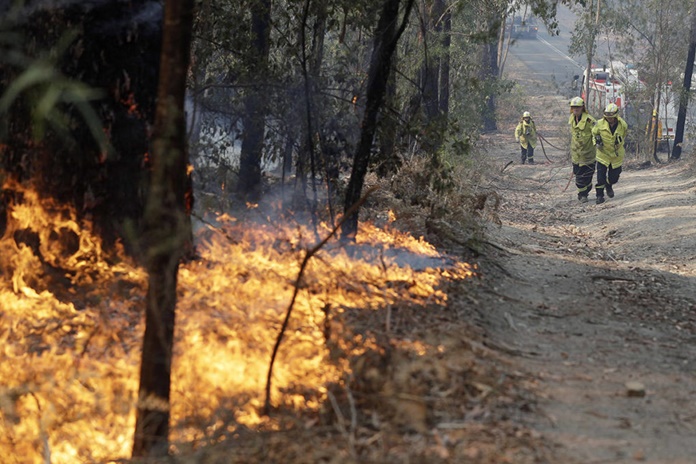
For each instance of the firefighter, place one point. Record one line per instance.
(582, 150)
(609, 138)
(525, 134)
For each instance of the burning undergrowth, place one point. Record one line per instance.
(357, 357)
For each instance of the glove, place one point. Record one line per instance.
(598, 141)
(527, 133)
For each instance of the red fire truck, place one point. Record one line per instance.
(616, 83)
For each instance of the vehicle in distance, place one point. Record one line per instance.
(524, 28)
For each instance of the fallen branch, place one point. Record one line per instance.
(308, 255)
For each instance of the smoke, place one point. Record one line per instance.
(148, 14)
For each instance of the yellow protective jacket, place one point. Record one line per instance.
(582, 150)
(612, 151)
(525, 133)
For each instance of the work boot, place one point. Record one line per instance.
(600, 200)
(530, 161)
(609, 190)
(582, 198)
(523, 160)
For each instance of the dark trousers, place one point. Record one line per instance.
(583, 178)
(606, 174)
(527, 153)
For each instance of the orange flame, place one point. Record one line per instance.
(70, 375)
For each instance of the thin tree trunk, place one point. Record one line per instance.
(389, 160)
(504, 44)
(445, 62)
(686, 90)
(431, 74)
(167, 229)
(311, 66)
(489, 73)
(386, 38)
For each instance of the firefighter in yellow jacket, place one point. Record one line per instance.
(582, 149)
(525, 134)
(609, 138)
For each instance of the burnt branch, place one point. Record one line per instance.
(308, 255)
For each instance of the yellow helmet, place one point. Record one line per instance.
(577, 101)
(526, 114)
(611, 110)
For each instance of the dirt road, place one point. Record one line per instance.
(598, 302)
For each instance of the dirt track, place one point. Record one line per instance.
(590, 298)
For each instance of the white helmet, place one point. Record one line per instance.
(611, 110)
(577, 101)
(526, 114)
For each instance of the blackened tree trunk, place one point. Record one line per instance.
(386, 37)
(686, 90)
(167, 229)
(255, 103)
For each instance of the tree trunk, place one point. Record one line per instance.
(504, 40)
(255, 103)
(431, 77)
(311, 71)
(431, 72)
(386, 38)
(167, 229)
(445, 62)
(590, 49)
(686, 91)
(389, 161)
(489, 74)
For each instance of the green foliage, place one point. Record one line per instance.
(46, 93)
(337, 87)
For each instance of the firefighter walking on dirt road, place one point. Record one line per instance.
(525, 134)
(609, 138)
(582, 149)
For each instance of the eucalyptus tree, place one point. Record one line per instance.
(656, 32)
(253, 120)
(584, 36)
(390, 26)
(167, 231)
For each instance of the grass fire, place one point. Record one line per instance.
(71, 326)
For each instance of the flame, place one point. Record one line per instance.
(130, 103)
(71, 349)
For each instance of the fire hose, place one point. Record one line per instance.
(541, 141)
(541, 137)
